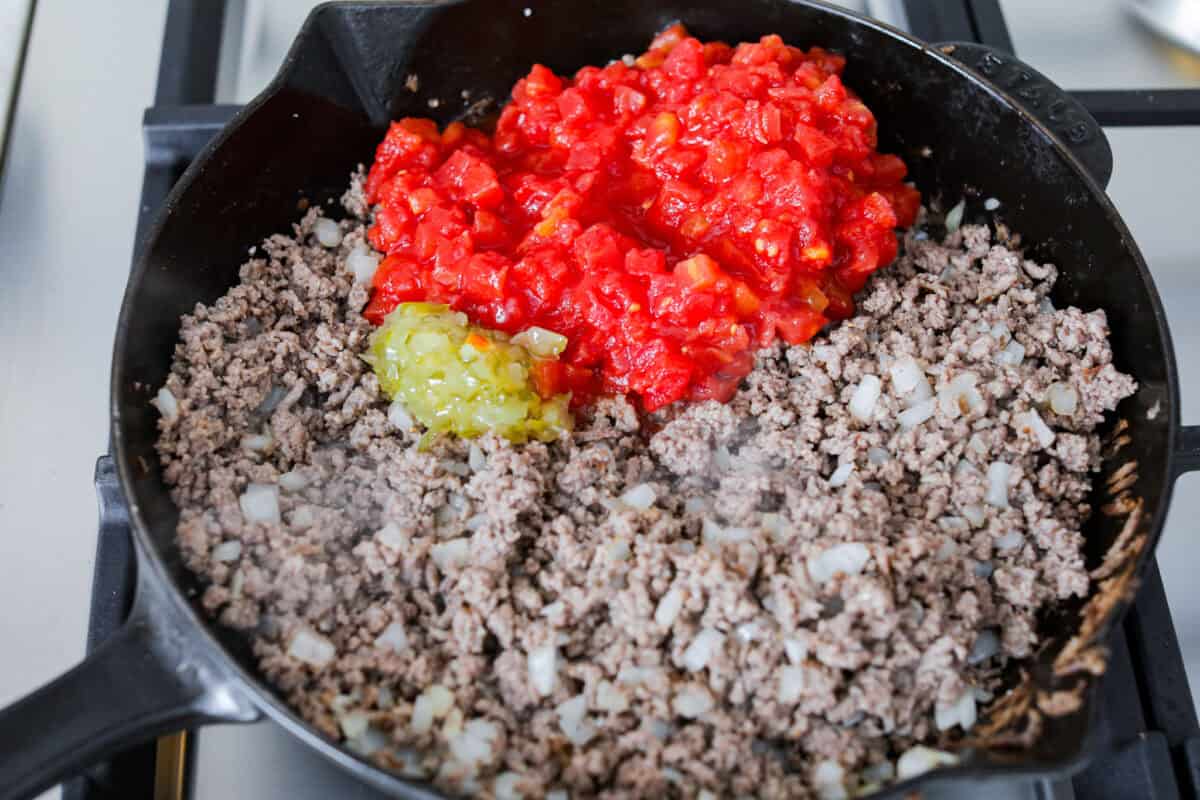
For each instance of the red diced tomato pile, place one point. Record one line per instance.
(668, 217)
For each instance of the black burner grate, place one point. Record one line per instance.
(1148, 714)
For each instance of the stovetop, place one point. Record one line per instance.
(1148, 707)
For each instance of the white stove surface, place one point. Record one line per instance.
(67, 216)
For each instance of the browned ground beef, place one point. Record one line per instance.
(806, 596)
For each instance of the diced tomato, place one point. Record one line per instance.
(668, 218)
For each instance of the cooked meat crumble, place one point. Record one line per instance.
(775, 597)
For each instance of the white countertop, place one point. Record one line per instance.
(67, 217)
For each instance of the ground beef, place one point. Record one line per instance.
(809, 593)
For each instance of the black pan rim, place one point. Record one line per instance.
(263, 696)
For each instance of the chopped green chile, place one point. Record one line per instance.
(455, 378)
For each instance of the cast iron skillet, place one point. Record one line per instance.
(968, 122)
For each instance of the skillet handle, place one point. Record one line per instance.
(147, 679)
(1041, 98)
(1187, 450)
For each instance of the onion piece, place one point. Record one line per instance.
(692, 701)
(362, 263)
(311, 648)
(910, 418)
(557, 794)
(1012, 355)
(227, 551)
(611, 698)
(954, 216)
(504, 786)
(541, 342)
(166, 404)
(974, 514)
(476, 742)
(668, 608)
(292, 481)
(542, 663)
(573, 720)
(1009, 541)
(260, 503)
(792, 680)
(476, 460)
(454, 554)
(393, 638)
(961, 713)
(998, 474)
(961, 397)
(1031, 422)
(1063, 398)
(829, 780)
(640, 497)
(433, 703)
(866, 395)
(701, 649)
(354, 724)
(877, 456)
(257, 443)
(921, 759)
(848, 558)
(987, 644)
(841, 474)
(795, 650)
(399, 417)
(328, 233)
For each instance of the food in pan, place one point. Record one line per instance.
(809, 590)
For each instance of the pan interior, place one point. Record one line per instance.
(349, 73)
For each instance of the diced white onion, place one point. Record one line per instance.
(572, 719)
(640, 497)
(393, 638)
(829, 780)
(541, 342)
(747, 631)
(453, 554)
(354, 724)
(1000, 332)
(399, 417)
(954, 216)
(961, 713)
(476, 460)
(391, 537)
(977, 444)
(455, 467)
(260, 502)
(475, 744)
(303, 517)
(227, 551)
(311, 648)
(921, 759)
(166, 404)
(877, 456)
(791, 683)
(848, 558)
(293, 481)
(1009, 541)
(974, 514)
(910, 418)
(328, 233)
(906, 374)
(1031, 422)
(476, 522)
(695, 505)
(256, 443)
(504, 787)
(543, 669)
(866, 395)
(668, 608)
(362, 263)
(841, 474)
(987, 644)
(722, 458)
(997, 491)
(371, 741)
(558, 794)
(961, 397)
(611, 698)
(433, 703)
(692, 701)
(796, 650)
(701, 649)
(1063, 398)
(983, 569)
(1012, 354)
